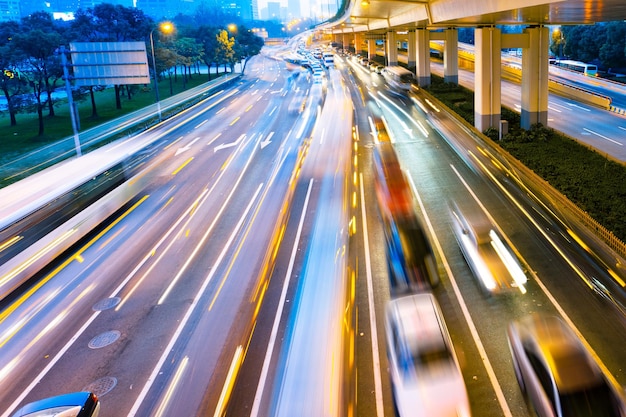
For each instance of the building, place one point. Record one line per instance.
(9, 10)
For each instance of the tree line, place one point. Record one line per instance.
(31, 64)
(603, 44)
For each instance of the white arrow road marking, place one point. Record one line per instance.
(229, 145)
(267, 140)
(186, 147)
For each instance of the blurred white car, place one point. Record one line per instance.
(557, 373)
(425, 375)
(489, 256)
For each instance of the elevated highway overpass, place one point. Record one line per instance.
(360, 23)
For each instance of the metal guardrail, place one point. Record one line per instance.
(124, 126)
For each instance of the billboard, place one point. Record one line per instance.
(109, 63)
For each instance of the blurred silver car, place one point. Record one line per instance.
(75, 404)
(489, 256)
(557, 373)
(425, 375)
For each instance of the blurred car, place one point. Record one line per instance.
(394, 194)
(557, 373)
(489, 256)
(76, 404)
(425, 375)
(410, 258)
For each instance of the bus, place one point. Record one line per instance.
(587, 69)
(398, 78)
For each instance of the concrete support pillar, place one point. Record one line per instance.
(451, 56)
(392, 48)
(487, 99)
(371, 48)
(359, 39)
(411, 49)
(535, 78)
(345, 40)
(422, 61)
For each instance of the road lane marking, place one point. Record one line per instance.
(280, 308)
(580, 273)
(468, 318)
(184, 164)
(378, 392)
(602, 136)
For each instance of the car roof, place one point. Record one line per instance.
(419, 322)
(561, 351)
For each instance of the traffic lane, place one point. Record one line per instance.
(319, 167)
(595, 127)
(423, 180)
(597, 85)
(583, 260)
(254, 373)
(367, 246)
(542, 264)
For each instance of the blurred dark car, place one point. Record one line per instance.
(558, 374)
(76, 404)
(411, 261)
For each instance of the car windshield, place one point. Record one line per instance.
(596, 401)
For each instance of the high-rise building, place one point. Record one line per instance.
(28, 7)
(273, 10)
(9, 10)
(293, 7)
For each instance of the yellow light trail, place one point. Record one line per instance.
(182, 166)
(10, 309)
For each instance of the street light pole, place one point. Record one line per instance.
(156, 85)
(165, 27)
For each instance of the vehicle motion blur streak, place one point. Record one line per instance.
(549, 239)
(46, 213)
(190, 310)
(314, 347)
(468, 318)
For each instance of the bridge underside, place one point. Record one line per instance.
(371, 15)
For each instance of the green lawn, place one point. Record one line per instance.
(22, 138)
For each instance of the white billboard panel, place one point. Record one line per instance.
(109, 63)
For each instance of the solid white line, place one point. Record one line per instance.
(378, 392)
(468, 318)
(283, 295)
(192, 307)
(602, 136)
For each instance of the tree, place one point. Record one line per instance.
(44, 69)
(189, 52)
(247, 44)
(12, 84)
(224, 51)
(207, 36)
(612, 53)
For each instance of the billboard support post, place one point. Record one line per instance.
(70, 100)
